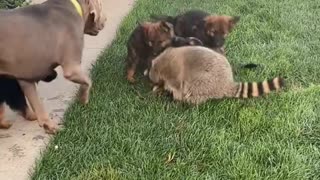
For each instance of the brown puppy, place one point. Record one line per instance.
(146, 41)
(45, 36)
(195, 74)
(212, 30)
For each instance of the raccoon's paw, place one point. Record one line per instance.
(145, 72)
(155, 88)
(194, 41)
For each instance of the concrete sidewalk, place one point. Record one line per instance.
(22, 143)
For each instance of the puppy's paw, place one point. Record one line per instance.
(131, 80)
(5, 124)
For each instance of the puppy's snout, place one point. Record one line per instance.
(103, 21)
(218, 41)
(102, 25)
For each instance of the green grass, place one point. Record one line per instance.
(126, 133)
(8, 4)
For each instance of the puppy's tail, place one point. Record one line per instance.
(256, 89)
(169, 19)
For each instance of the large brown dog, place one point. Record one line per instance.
(37, 38)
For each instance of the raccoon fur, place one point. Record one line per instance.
(195, 74)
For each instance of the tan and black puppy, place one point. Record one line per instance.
(12, 94)
(195, 74)
(147, 41)
(212, 30)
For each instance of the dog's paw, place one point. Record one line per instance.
(30, 116)
(50, 127)
(131, 80)
(84, 98)
(84, 95)
(5, 124)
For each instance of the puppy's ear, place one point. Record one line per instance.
(146, 33)
(234, 20)
(166, 26)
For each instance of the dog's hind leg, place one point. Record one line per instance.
(30, 91)
(131, 70)
(131, 66)
(29, 114)
(73, 72)
(3, 124)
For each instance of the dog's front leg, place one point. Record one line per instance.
(30, 91)
(73, 73)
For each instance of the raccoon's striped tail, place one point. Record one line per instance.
(256, 89)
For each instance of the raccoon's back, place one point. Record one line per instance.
(199, 59)
(207, 73)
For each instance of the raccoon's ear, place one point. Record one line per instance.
(165, 26)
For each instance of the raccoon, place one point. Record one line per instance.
(195, 74)
(179, 42)
(12, 94)
(147, 41)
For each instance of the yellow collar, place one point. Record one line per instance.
(77, 6)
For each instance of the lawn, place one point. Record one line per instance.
(127, 133)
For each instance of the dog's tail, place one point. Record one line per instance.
(166, 18)
(256, 89)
